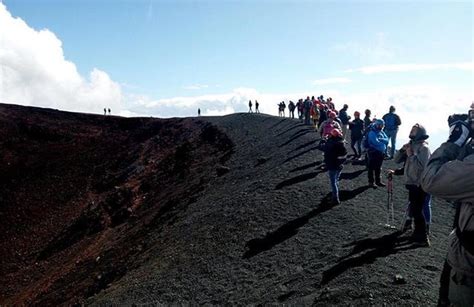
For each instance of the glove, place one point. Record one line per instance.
(459, 133)
(452, 119)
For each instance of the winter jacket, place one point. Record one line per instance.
(357, 129)
(378, 140)
(392, 121)
(343, 117)
(450, 175)
(327, 126)
(334, 153)
(414, 164)
(367, 122)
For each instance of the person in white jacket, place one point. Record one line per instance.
(449, 174)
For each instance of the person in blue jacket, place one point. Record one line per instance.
(377, 146)
(392, 121)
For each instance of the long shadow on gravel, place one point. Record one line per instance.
(305, 145)
(375, 248)
(306, 166)
(289, 129)
(259, 245)
(353, 175)
(295, 136)
(297, 179)
(301, 153)
(271, 239)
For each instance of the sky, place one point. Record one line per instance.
(169, 58)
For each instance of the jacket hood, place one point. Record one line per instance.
(420, 134)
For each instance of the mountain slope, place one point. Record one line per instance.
(256, 231)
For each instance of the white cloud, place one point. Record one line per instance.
(33, 71)
(469, 66)
(331, 81)
(195, 87)
(375, 50)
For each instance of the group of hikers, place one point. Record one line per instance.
(448, 173)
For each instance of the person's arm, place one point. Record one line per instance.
(399, 121)
(419, 159)
(448, 178)
(401, 155)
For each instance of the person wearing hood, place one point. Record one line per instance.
(415, 154)
(334, 157)
(449, 174)
(329, 124)
(377, 146)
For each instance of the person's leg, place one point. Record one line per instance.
(393, 143)
(353, 142)
(461, 289)
(417, 199)
(359, 147)
(443, 292)
(334, 178)
(371, 169)
(378, 168)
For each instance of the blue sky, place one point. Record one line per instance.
(166, 58)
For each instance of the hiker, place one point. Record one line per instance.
(315, 115)
(283, 107)
(307, 111)
(199, 112)
(367, 120)
(323, 114)
(291, 108)
(450, 175)
(256, 106)
(328, 125)
(415, 155)
(300, 107)
(109, 111)
(392, 121)
(105, 111)
(331, 105)
(334, 158)
(250, 106)
(357, 132)
(377, 145)
(344, 119)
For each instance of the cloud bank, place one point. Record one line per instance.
(468, 66)
(34, 71)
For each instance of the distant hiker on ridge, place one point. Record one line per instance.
(256, 106)
(377, 146)
(334, 157)
(199, 112)
(415, 155)
(250, 106)
(109, 111)
(392, 121)
(450, 175)
(291, 109)
(105, 111)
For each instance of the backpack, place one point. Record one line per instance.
(391, 121)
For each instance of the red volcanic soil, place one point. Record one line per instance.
(211, 210)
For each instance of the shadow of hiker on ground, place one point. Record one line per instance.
(291, 128)
(288, 230)
(301, 153)
(375, 248)
(353, 175)
(306, 166)
(297, 179)
(350, 194)
(306, 144)
(295, 136)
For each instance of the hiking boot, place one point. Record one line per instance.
(420, 240)
(428, 229)
(380, 184)
(372, 185)
(407, 226)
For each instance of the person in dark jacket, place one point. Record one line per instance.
(378, 141)
(334, 158)
(367, 120)
(392, 121)
(357, 133)
(344, 120)
(449, 174)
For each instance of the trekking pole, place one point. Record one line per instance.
(390, 212)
